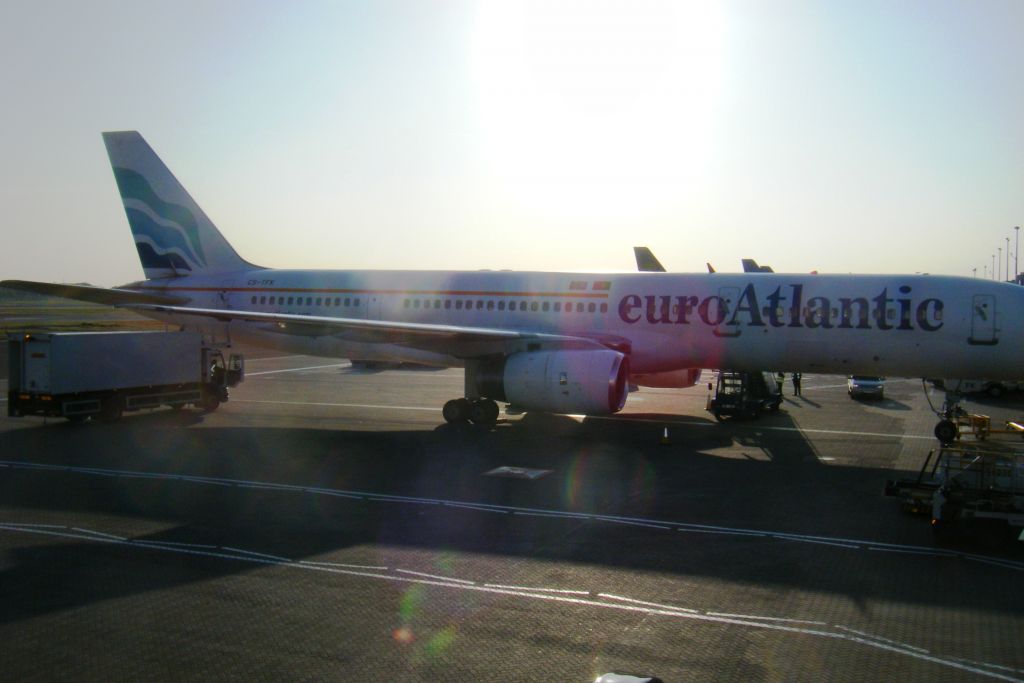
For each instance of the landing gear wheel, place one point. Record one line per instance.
(946, 432)
(483, 412)
(456, 410)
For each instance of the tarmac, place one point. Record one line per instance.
(324, 524)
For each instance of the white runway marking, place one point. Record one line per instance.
(860, 545)
(254, 554)
(751, 616)
(310, 367)
(620, 603)
(531, 589)
(336, 405)
(98, 533)
(623, 417)
(621, 598)
(435, 576)
(175, 544)
(347, 566)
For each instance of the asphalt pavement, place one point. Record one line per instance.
(325, 524)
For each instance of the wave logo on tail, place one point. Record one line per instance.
(166, 234)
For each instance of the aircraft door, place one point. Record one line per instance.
(728, 297)
(373, 306)
(224, 294)
(983, 321)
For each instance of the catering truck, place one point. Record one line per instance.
(78, 375)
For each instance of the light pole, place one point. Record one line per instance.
(1016, 252)
(1007, 258)
(993, 266)
(1000, 275)
(974, 272)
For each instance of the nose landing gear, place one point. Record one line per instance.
(946, 431)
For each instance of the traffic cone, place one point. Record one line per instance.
(664, 438)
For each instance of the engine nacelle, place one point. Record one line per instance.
(587, 382)
(674, 379)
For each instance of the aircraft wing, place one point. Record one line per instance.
(455, 340)
(97, 295)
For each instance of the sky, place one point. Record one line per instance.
(843, 137)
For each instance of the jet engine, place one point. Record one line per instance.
(587, 382)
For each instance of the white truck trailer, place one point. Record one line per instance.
(78, 375)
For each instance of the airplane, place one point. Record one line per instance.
(551, 341)
(647, 262)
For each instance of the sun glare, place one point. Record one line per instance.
(597, 109)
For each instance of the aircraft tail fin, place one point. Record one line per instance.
(172, 234)
(646, 262)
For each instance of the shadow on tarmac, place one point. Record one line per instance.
(773, 482)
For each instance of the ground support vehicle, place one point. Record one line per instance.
(861, 386)
(78, 375)
(744, 394)
(967, 488)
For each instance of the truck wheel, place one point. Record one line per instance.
(111, 410)
(210, 404)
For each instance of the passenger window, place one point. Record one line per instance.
(291, 300)
(458, 304)
(490, 305)
(263, 300)
(591, 307)
(447, 304)
(558, 307)
(579, 307)
(533, 305)
(604, 308)
(348, 301)
(522, 305)
(480, 305)
(546, 306)
(355, 302)
(437, 303)
(416, 303)
(501, 305)
(319, 301)
(254, 299)
(309, 301)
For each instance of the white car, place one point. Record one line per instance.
(862, 386)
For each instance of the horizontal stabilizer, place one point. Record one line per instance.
(96, 295)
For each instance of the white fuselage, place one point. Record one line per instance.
(888, 325)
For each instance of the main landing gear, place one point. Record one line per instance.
(474, 408)
(480, 411)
